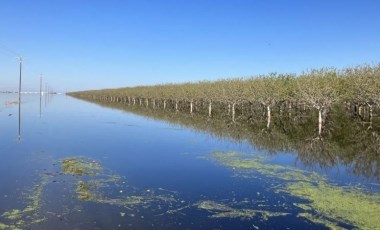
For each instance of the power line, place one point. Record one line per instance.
(14, 54)
(7, 51)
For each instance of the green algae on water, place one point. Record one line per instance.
(80, 166)
(322, 201)
(258, 164)
(9, 227)
(91, 183)
(335, 205)
(85, 190)
(92, 191)
(99, 185)
(221, 210)
(13, 214)
(24, 218)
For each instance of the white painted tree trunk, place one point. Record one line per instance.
(233, 112)
(176, 106)
(209, 108)
(360, 111)
(154, 103)
(140, 101)
(164, 104)
(320, 121)
(229, 109)
(147, 102)
(268, 116)
(191, 107)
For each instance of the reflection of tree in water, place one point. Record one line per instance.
(363, 156)
(353, 144)
(366, 161)
(344, 140)
(317, 152)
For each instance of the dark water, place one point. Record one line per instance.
(171, 171)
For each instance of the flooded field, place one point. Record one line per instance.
(70, 164)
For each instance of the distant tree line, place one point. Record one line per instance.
(356, 88)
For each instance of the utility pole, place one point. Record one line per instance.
(19, 86)
(40, 93)
(19, 101)
(40, 84)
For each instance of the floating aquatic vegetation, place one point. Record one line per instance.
(335, 205)
(97, 184)
(221, 210)
(94, 193)
(92, 183)
(259, 164)
(13, 214)
(24, 218)
(6, 227)
(80, 166)
(84, 190)
(324, 202)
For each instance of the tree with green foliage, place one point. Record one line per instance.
(319, 89)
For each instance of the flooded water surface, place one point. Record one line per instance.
(72, 164)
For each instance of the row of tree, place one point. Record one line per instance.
(318, 88)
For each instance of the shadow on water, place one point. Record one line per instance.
(345, 142)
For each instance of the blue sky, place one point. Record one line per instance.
(91, 44)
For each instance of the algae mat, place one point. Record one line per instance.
(315, 198)
(87, 181)
(322, 201)
(29, 215)
(222, 210)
